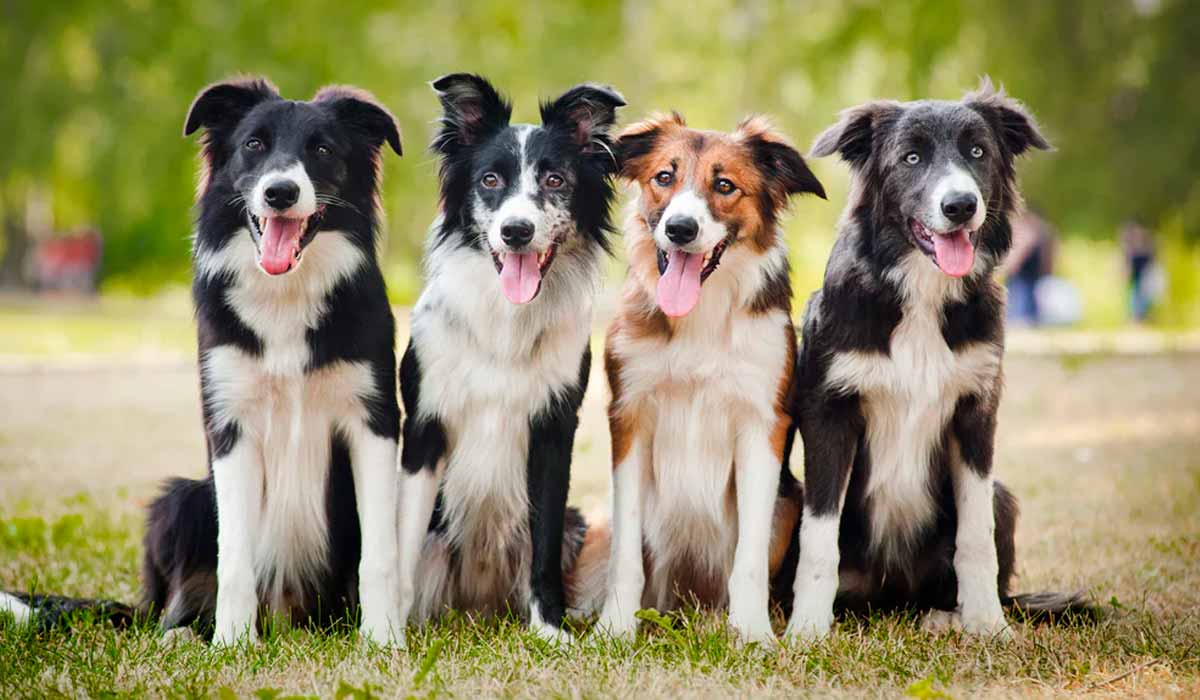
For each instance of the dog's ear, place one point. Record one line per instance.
(224, 104)
(784, 167)
(1012, 123)
(359, 110)
(586, 112)
(636, 140)
(472, 110)
(854, 135)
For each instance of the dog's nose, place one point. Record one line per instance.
(281, 194)
(682, 229)
(959, 207)
(516, 233)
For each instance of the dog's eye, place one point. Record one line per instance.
(255, 145)
(912, 158)
(725, 186)
(976, 151)
(491, 181)
(554, 181)
(323, 151)
(664, 178)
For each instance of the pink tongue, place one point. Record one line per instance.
(954, 252)
(679, 286)
(520, 277)
(280, 243)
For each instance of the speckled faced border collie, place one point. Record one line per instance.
(498, 362)
(700, 362)
(297, 374)
(900, 370)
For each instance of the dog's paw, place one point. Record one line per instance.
(753, 627)
(941, 621)
(228, 638)
(991, 625)
(178, 636)
(809, 628)
(382, 633)
(617, 624)
(556, 636)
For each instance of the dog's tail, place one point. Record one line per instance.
(1049, 606)
(46, 612)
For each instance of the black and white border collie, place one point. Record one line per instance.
(498, 361)
(297, 374)
(900, 371)
(700, 361)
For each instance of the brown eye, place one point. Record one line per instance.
(554, 181)
(664, 178)
(725, 186)
(255, 145)
(977, 152)
(491, 181)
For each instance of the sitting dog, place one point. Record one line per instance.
(700, 361)
(899, 374)
(499, 358)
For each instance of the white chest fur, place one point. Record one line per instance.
(487, 367)
(286, 414)
(908, 397)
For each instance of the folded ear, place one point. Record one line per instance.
(224, 104)
(784, 167)
(587, 112)
(359, 110)
(855, 134)
(472, 110)
(636, 140)
(1014, 125)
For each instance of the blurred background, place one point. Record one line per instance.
(96, 182)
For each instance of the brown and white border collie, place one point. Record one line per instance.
(700, 361)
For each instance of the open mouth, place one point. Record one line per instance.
(952, 251)
(280, 240)
(681, 274)
(521, 273)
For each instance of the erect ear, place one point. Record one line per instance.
(587, 112)
(854, 135)
(359, 110)
(1013, 124)
(472, 110)
(636, 140)
(783, 166)
(224, 104)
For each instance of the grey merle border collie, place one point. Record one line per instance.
(900, 375)
(297, 516)
(499, 357)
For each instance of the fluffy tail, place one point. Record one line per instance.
(49, 611)
(1052, 606)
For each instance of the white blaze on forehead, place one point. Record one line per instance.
(521, 204)
(688, 203)
(953, 179)
(306, 204)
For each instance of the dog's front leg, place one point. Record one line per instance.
(756, 474)
(238, 481)
(830, 427)
(976, 565)
(551, 440)
(373, 460)
(626, 568)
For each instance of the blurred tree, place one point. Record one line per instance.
(95, 90)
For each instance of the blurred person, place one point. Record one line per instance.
(1145, 278)
(1034, 244)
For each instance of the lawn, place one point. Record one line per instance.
(98, 404)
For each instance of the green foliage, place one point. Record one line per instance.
(95, 94)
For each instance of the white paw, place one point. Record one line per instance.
(809, 628)
(177, 636)
(383, 633)
(614, 622)
(230, 636)
(752, 626)
(941, 621)
(991, 626)
(551, 634)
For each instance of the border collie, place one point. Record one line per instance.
(498, 362)
(700, 361)
(900, 371)
(297, 373)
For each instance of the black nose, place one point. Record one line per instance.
(682, 229)
(516, 233)
(281, 194)
(959, 207)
